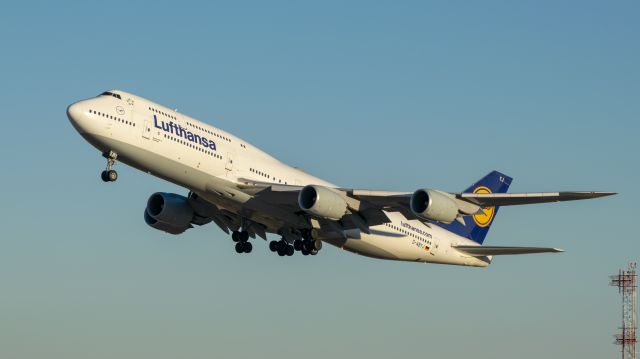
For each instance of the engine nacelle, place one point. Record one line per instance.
(168, 212)
(433, 205)
(165, 227)
(322, 202)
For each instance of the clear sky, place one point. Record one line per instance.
(383, 95)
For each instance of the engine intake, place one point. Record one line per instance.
(168, 212)
(322, 202)
(433, 205)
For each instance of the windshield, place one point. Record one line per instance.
(107, 93)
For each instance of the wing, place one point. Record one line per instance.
(471, 203)
(367, 207)
(483, 199)
(481, 251)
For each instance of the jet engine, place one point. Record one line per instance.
(433, 205)
(168, 212)
(322, 202)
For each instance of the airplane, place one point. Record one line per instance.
(248, 193)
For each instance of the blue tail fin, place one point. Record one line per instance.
(477, 226)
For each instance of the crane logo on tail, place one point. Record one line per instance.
(484, 219)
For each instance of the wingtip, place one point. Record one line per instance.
(588, 195)
(603, 194)
(558, 250)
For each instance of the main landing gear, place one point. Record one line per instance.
(281, 247)
(306, 247)
(109, 175)
(242, 242)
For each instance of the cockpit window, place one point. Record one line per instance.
(107, 93)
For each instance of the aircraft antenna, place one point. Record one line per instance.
(627, 283)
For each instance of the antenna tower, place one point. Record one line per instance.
(627, 283)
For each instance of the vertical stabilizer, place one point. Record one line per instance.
(477, 226)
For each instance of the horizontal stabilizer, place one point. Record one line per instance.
(481, 251)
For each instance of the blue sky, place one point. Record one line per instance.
(391, 95)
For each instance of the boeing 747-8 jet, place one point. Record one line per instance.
(248, 193)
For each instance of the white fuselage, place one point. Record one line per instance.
(215, 164)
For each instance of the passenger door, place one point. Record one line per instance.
(229, 165)
(146, 131)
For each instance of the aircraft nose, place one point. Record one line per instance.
(74, 111)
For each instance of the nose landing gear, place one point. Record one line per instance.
(110, 175)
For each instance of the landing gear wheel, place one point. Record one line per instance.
(317, 244)
(104, 177)
(304, 252)
(243, 236)
(235, 236)
(273, 246)
(297, 244)
(239, 247)
(112, 175)
(290, 251)
(307, 245)
(282, 248)
(248, 247)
